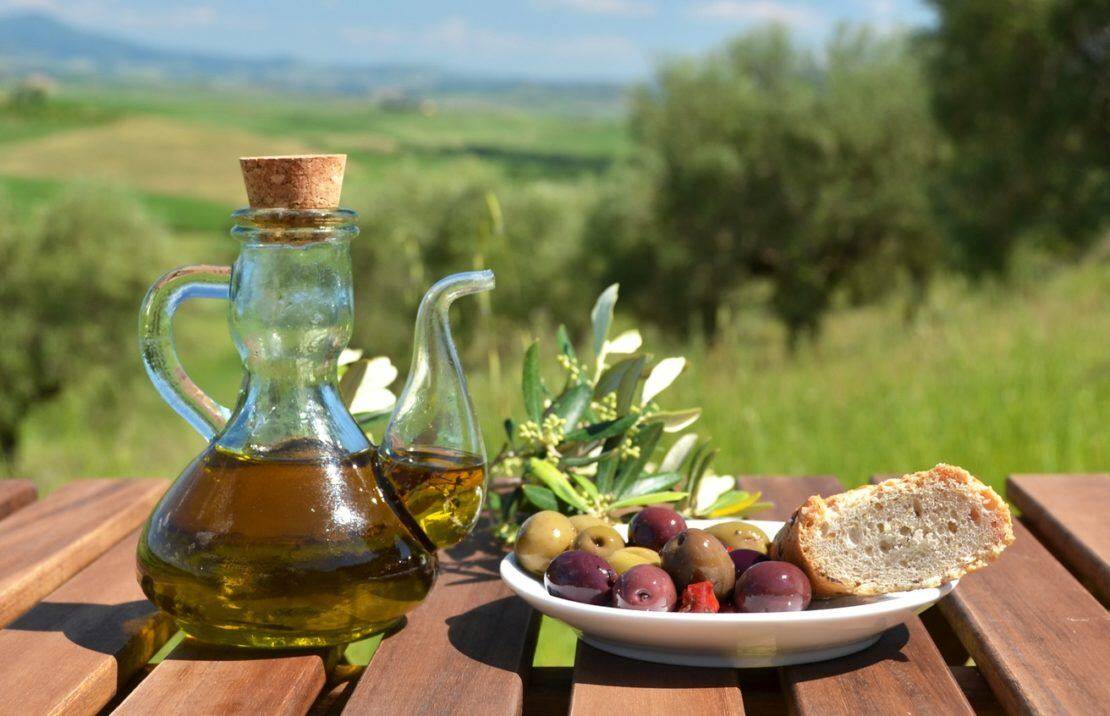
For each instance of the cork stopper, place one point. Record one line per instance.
(306, 181)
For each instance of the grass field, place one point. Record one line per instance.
(999, 379)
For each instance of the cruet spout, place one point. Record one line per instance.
(432, 452)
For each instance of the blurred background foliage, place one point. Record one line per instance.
(877, 254)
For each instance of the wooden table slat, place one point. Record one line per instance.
(15, 494)
(466, 649)
(199, 679)
(1068, 514)
(47, 542)
(605, 683)
(1038, 637)
(899, 674)
(89, 635)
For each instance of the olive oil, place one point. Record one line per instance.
(301, 548)
(441, 489)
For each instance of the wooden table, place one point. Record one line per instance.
(1027, 635)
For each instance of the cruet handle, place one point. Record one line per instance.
(159, 354)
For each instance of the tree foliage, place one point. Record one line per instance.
(70, 287)
(1023, 91)
(765, 162)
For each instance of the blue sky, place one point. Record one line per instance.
(553, 39)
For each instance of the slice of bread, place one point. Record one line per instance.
(916, 531)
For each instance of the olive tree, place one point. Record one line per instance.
(71, 281)
(765, 161)
(1022, 91)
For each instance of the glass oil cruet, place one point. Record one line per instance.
(291, 529)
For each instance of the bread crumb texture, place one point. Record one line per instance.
(916, 531)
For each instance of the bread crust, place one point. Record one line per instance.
(793, 542)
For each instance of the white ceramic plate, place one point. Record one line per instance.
(836, 627)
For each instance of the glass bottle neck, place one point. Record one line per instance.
(290, 315)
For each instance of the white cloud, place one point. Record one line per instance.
(618, 8)
(758, 11)
(457, 34)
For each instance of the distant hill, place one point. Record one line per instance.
(37, 42)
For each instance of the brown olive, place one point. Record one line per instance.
(543, 536)
(581, 522)
(740, 535)
(600, 540)
(625, 559)
(697, 556)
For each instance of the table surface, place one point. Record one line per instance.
(1031, 634)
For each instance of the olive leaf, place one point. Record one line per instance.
(651, 499)
(531, 383)
(675, 420)
(629, 380)
(572, 404)
(600, 431)
(541, 497)
(562, 339)
(611, 378)
(674, 458)
(602, 316)
(646, 440)
(662, 375)
(587, 486)
(652, 483)
(732, 502)
(627, 342)
(588, 459)
(558, 483)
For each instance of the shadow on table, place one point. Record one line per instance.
(475, 559)
(888, 648)
(104, 628)
(487, 633)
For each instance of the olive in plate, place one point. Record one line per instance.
(739, 535)
(581, 522)
(742, 559)
(697, 556)
(542, 537)
(600, 540)
(625, 559)
(580, 577)
(654, 526)
(646, 588)
(772, 587)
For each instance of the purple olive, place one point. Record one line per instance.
(653, 527)
(772, 587)
(646, 588)
(744, 558)
(580, 577)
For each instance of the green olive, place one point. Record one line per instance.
(543, 537)
(581, 522)
(740, 535)
(625, 559)
(600, 540)
(697, 556)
